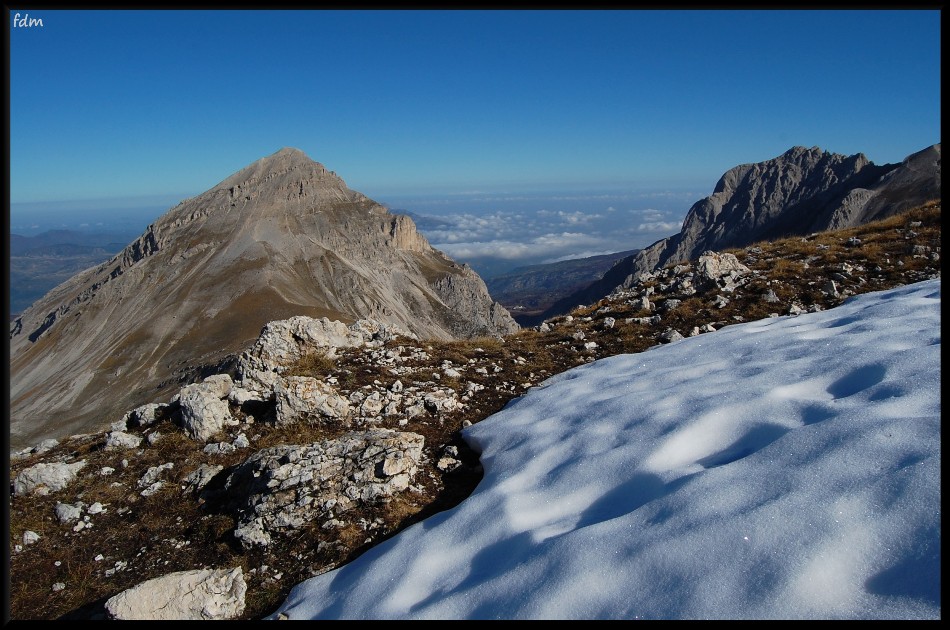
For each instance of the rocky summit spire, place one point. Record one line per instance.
(281, 237)
(287, 160)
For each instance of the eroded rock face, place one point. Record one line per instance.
(283, 487)
(184, 595)
(284, 342)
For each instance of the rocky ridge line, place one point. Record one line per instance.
(802, 191)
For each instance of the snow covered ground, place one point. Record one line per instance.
(784, 468)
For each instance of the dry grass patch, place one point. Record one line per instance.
(316, 364)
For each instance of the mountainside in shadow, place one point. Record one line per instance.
(528, 291)
(282, 237)
(799, 192)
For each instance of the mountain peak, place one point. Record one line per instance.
(799, 192)
(291, 151)
(283, 161)
(798, 151)
(282, 237)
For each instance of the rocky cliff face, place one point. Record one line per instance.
(799, 192)
(282, 237)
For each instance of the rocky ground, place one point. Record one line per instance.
(302, 459)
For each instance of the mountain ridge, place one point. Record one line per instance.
(798, 192)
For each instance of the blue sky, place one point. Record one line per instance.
(410, 104)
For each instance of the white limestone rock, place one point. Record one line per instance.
(152, 474)
(46, 477)
(184, 595)
(719, 271)
(304, 398)
(283, 487)
(120, 439)
(204, 408)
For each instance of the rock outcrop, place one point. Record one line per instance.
(799, 192)
(283, 342)
(184, 596)
(284, 487)
(280, 238)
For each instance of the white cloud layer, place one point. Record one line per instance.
(498, 232)
(531, 237)
(538, 246)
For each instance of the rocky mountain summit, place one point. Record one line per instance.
(799, 192)
(280, 238)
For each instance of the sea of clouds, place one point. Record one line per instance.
(495, 233)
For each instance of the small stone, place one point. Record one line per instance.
(66, 512)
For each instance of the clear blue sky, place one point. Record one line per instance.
(115, 104)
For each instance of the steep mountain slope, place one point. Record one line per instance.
(282, 237)
(799, 192)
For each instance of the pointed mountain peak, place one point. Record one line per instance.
(288, 156)
(283, 161)
(291, 151)
(798, 151)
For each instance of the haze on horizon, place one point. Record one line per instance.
(529, 136)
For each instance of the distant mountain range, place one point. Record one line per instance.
(282, 237)
(26, 245)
